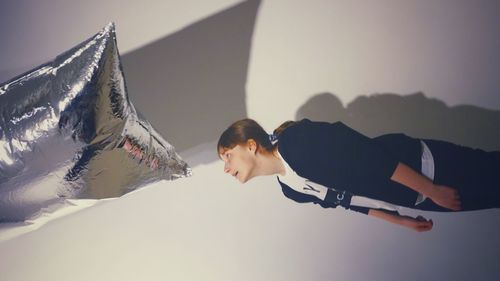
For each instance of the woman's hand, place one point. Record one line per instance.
(419, 224)
(445, 197)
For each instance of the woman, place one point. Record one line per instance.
(331, 164)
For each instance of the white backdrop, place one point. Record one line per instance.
(209, 227)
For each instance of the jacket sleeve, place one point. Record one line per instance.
(329, 202)
(334, 153)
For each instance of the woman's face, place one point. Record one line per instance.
(239, 161)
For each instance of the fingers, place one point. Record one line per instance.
(424, 225)
(448, 198)
(453, 201)
(455, 204)
(456, 199)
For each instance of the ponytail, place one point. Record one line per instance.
(277, 132)
(282, 127)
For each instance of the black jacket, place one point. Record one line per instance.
(336, 156)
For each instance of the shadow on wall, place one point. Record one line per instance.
(415, 115)
(190, 85)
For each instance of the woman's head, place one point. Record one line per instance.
(243, 144)
(240, 132)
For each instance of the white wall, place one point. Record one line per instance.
(446, 49)
(34, 32)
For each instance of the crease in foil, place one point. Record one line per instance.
(68, 130)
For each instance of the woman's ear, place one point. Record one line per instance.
(252, 145)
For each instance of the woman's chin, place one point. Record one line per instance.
(243, 179)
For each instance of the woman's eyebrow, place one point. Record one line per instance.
(221, 154)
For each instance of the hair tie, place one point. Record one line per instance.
(273, 138)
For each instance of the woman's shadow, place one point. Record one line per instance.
(415, 115)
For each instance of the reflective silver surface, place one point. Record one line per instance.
(68, 130)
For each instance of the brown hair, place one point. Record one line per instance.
(245, 129)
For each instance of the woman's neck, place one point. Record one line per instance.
(270, 164)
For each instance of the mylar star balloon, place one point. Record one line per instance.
(68, 130)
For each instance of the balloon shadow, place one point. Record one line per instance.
(191, 84)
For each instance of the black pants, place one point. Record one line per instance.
(475, 173)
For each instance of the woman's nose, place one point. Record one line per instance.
(226, 169)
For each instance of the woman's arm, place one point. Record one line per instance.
(419, 224)
(444, 196)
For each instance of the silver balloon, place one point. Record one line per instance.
(68, 130)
